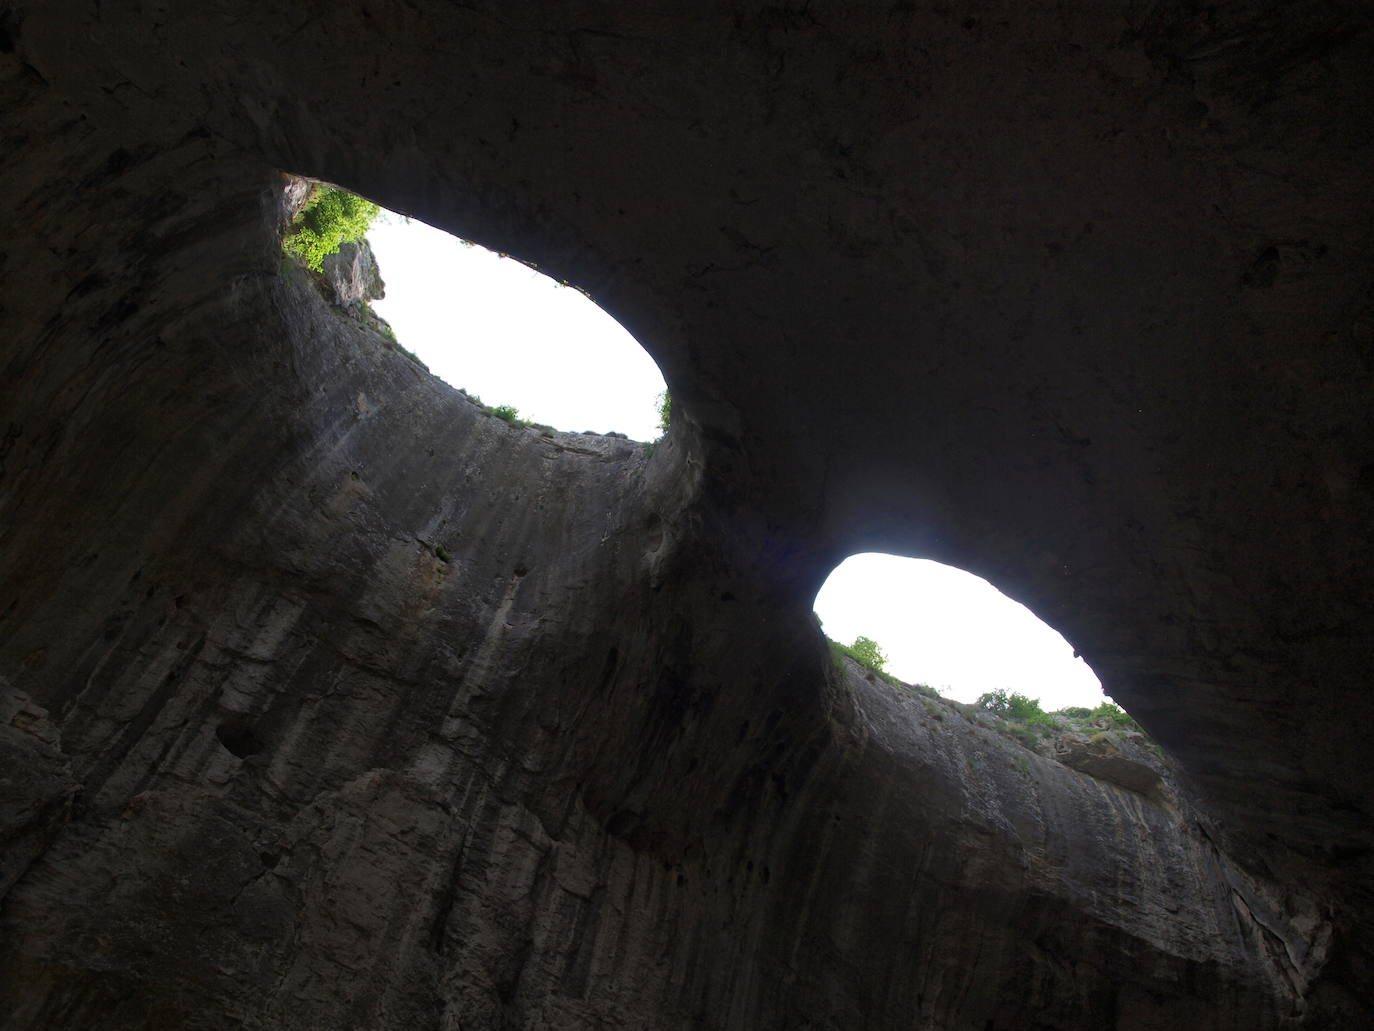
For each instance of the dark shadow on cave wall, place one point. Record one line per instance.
(600, 765)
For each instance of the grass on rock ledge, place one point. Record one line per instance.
(1017, 716)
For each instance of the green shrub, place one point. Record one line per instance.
(994, 702)
(1116, 714)
(1023, 719)
(1019, 708)
(866, 653)
(866, 650)
(1012, 705)
(330, 218)
(665, 410)
(510, 414)
(665, 415)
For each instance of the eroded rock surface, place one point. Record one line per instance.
(1101, 756)
(332, 700)
(353, 276)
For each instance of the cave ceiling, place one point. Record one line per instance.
(1079, 299)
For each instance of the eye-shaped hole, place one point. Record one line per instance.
(953, 631)
(537, 350)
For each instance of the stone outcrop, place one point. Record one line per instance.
(332, 700)
(1098, 756)
(352, 276)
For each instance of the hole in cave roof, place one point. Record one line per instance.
(506, 332)
(953, 631)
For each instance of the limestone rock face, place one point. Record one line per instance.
(37, 782)
(331, 700)
(353, 276)
(1099, 757)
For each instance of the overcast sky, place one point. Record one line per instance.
(511, 335)
(952, 630)
(503, 331)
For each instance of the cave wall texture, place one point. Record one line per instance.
(1077, 297)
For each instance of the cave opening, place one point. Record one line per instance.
(943, 649)
(505, 332)
(951, 630)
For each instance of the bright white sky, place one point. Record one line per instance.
(511, 335)
(505, 332)
(944, 627)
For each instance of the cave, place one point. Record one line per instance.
(330, 700)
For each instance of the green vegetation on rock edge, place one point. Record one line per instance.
(1022, 715)
(330, 218)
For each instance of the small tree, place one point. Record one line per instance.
(866, 650)
(1015, 706)
(330, 218)
(665, 410)
(995, 702)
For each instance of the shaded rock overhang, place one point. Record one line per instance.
(1077, 300)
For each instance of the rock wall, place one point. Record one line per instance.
(1078, 301)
